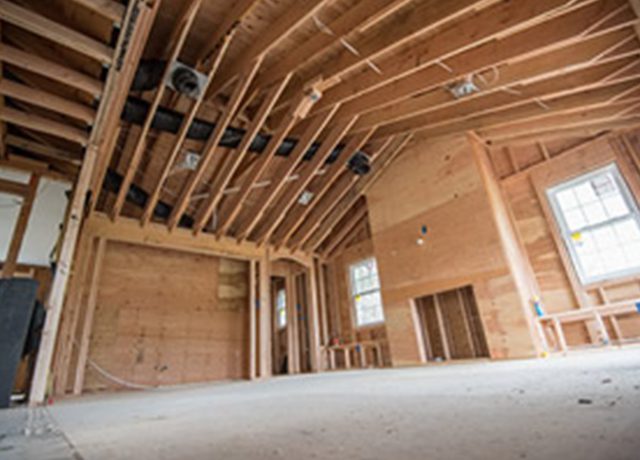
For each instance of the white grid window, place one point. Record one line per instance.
(365, 290)
(281, 308)
(600, 224)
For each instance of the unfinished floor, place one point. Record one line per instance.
(501, 410)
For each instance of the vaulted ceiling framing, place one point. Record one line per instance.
(338, 76)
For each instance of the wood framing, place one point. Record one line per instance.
(20, 227)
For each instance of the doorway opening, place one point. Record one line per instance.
(451, 326)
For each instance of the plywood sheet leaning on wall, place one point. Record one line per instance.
(165, 317)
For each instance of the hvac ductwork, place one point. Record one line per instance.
(149, 76)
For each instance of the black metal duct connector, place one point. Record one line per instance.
(149, 76)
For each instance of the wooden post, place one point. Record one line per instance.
(314, 319)
(291, 321)
(604, 335)
(347, 357)
(443, 329)
(253, 362)
(557, 325)
(83, 348)
(116, 90)
(265, 317)
(616, 328)
(322, 298)
(68, 333)
(465, 320)
(332, 358)
(11, 261)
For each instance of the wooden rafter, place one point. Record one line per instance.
(359, 188)
(47, 100)
(154, 197)
(50, 69)
(51, 30)
(278, 31)
(226, 219)
(303, 144)
(13, 188)
(42, 149)
(307, 173)
(332, 173)
(44, 125)
(235, 16)
(419, 20)
(404, 75)
(20, 228)
(573, 82)
(337, 192)
(213, 141)
(342, 233)
(110, 9)
(173, 52)
(224, 177)
(587, 52)
(362, 13)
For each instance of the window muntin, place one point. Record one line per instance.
(365, 291)
(281, 308)
(599, 223)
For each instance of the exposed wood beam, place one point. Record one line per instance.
(226, 218)
(556, 62)
(564, 132)
(223, 178)
(236, 14)
(41, 149)
(172, 53)
(154, 196)
(307, 173)
(360, 14)
(110, 9)
(475, 43)
(335, 193)
(21, 163)
(359, 188)
(212, 143)
(267, 197)
(297, 14)
(13, 188)
(20, 228)
(351, 222)
(417, 20)
(44, 27)
(573, 120)
(332, 173)
(572, 82)
(139, 17)
(44, 125)
(47, 100)
(531, 110)
(50, 69)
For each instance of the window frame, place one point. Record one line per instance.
(353, 294)
(565, 232)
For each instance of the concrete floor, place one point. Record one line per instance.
(580, 407)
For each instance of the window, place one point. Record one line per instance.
(600, 224)
(365, 290)
(281, 308)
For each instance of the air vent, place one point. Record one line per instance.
(186, 80)
(359, 164)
